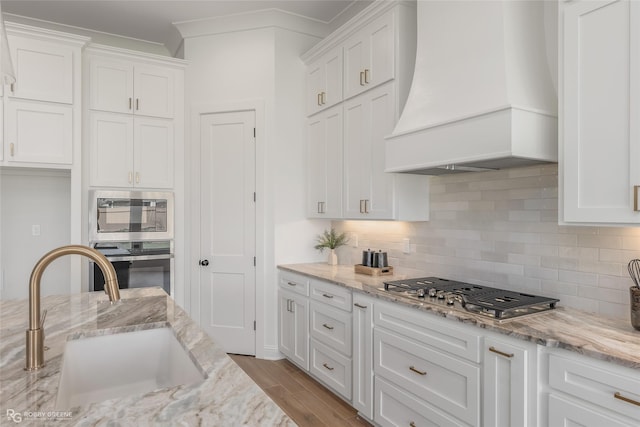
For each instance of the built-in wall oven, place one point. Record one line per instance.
(134, 230)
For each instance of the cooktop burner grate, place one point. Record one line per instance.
(495, 302)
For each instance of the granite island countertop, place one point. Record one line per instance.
(226, 397)
(610, 340)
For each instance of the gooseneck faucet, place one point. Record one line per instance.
(35, 333)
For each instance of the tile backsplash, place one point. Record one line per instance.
(500, 228)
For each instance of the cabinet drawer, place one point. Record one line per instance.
(333, 295)
(331, 368)
(445, 382)
(597, 384)
(430, 330)
(296, 283)
(331, 327)
(395, 407)
(563, 412)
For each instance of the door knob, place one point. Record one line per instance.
(203, 262)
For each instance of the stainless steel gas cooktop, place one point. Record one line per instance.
(493, 302)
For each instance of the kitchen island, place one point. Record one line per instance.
(226, 397)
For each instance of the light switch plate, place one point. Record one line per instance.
(406, 246)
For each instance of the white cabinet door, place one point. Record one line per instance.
(129, 87)
(509, 389)
(111, 85)
(369, 56)
(111, 149)
(154, 91)
(600, 93)
(368, 190)
(293, 326)
(39, 132)
(324, 160)
(324, 81)
(153, 152)
(44, 70)
(362, 382)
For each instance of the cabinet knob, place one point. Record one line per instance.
(204, 262)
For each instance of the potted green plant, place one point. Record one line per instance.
(331, 240)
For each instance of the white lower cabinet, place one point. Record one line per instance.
(331, 367)
(590, 392)
(432, 359)
(362, 331)
(396, 407)
(510, 382)
(293, 318)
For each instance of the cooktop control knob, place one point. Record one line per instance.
(450, 299)
(440, 294)
(420, 293)
(432, 292)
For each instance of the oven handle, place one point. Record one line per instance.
(139, 257)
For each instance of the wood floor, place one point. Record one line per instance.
(306, 401)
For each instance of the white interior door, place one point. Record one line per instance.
(227, 229)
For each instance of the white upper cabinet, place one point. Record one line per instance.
(324, 81)
(369, 56)
(324, 164)
(135, 118)
(600, 111)
(126, 87)
(39, 132)
(44, 70)
(41, 108)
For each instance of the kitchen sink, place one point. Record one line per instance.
(118, 365)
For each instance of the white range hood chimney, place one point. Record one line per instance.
(482, 95)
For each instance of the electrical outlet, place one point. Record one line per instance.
(353, 239)
(406, 246)
(35, 230)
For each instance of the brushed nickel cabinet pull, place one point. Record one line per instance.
(417, 371)
(322, 98)
(327, 366)
(130, 103)
(327, 326)
(635, 198)
(501, 353)
(617, 395)
(12, 149)
(137, 177)
(327, 296)
(13, 88)
(361, 78)
(130, 177)
(319, 99)
(291, 283)
(359, 306)
(288, 305)
(137, 104)
(361, 206)
(366, 76)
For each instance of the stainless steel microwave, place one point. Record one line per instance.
(130, 215)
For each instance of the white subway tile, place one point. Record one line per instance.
(578, 277)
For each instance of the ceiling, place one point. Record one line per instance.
(151, 20)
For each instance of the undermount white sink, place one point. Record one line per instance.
(109, 366)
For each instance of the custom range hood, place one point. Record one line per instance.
(482, 95)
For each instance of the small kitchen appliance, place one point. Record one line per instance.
(493, 302)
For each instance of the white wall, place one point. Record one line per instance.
(259, 67)
(30, 198)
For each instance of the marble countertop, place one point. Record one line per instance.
(594, 336)
(226, 397)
